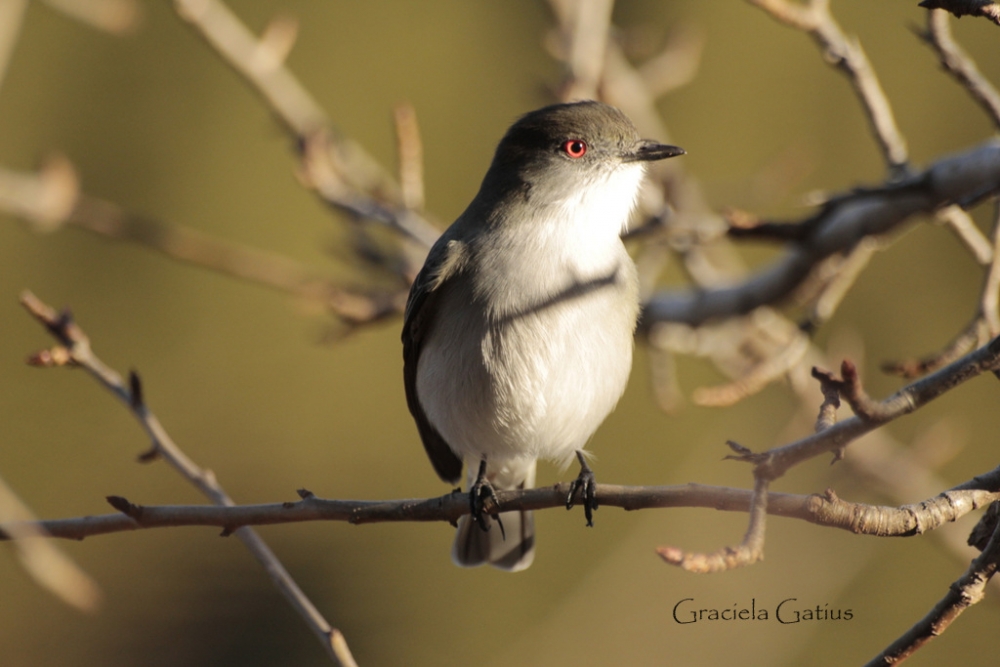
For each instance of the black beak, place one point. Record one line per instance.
(650, 151)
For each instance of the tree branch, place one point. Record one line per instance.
(775, 462)
(840, 224)
(47, 565)
(50, 199)
(969, 589)
(74, 350)
(748, 552)
(821, 509)
(337, 168)
(846, 54)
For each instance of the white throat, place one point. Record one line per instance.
(586, 225)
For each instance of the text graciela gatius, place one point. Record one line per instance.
(788, 611)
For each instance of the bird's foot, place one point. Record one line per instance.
(586, 484)
(480, 493)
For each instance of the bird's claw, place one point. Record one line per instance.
(480, 493)
(586, 484)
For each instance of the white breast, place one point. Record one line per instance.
(529, 356)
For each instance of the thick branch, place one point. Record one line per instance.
(837, 227)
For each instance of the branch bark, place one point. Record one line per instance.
(824, 509)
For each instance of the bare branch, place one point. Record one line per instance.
(583, 33)
(967, 339)
(337, 168)
(851, 390)
(841, 223)
(989, 302)
(868, 411)
(775, 462)
(958, 63)
(676, 65)
(411, 156)
(821, 509)
(984, 325)
(846, 54)
(831, 400)
(76, 346)
(746, 225)
(50, 199)
(114, 16)
(758, 377)
(848, 268)
(47, 565)
(960, 223)
(749, 551)
(969, 589)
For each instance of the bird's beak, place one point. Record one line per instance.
(650, 151)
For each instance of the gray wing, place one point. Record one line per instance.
(443, 262)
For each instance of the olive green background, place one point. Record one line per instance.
(157, 123)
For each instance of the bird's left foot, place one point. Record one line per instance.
(587, 486)
(481, 491)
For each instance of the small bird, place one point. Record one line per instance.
(518, 332)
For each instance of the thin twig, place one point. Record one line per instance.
(960, 223)
(969, 589)
(849, 268)
(831, 401)
(983, 326)
(846, 54)
(959, 64)
(758, 377)
(50, 199)
(344, 174)
(748, 552)
(989, 302)
(966, 339)
(75, 346)
(871, 414)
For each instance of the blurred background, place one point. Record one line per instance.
(246, 381)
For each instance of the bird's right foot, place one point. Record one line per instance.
(587, 486)
(480, 492)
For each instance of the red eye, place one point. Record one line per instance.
(575, 148)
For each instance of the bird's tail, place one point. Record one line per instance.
(512, 549)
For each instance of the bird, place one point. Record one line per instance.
(518, 330)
